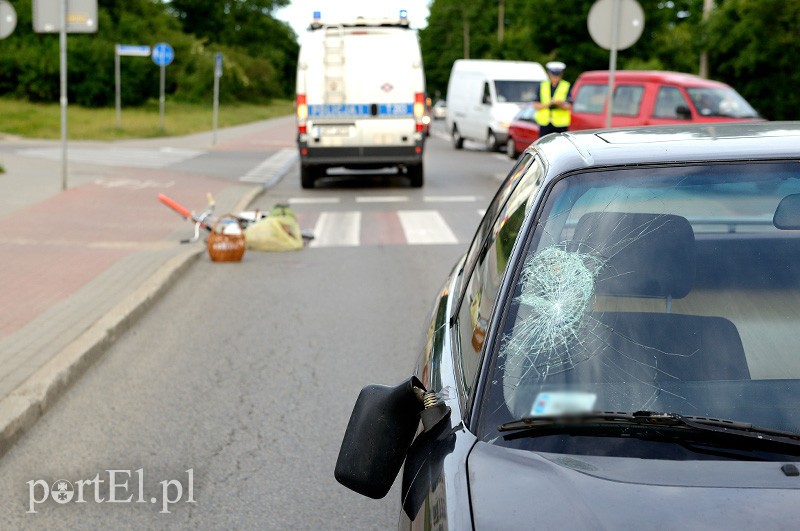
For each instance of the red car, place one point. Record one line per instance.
(522, 132)
(655, 98)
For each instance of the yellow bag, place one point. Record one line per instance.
(274, 233)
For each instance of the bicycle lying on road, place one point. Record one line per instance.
(206, 219)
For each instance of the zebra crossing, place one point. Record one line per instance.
(348, 227)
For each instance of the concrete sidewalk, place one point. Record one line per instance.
(79, 266)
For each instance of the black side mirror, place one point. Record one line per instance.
(381, 429)
(683, 112)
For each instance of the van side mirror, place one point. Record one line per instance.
(381, 429)
(683, 112)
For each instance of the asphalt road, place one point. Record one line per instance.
(230, 397)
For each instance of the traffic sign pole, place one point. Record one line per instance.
(163, 55)
(63, 101)
(215, 114)
(135, 50)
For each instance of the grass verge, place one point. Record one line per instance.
(37, 120)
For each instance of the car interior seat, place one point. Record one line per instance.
(647, 256)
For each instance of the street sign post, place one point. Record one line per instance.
(62, 17)
(8, 19)
(217, 75)
(615, 25)
(163, 55)
(133, 50)
(80, 16)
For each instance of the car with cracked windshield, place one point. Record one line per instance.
(617, 348)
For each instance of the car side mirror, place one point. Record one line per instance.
(380, 431)
(683, 112)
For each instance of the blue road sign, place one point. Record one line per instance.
(218, 64)
(163, 54)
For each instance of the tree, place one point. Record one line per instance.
(753, 46)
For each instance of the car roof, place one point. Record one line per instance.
(576, 150)
(674, 78)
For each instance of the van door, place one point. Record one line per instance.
(670, 107)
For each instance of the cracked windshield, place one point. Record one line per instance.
(658, 291)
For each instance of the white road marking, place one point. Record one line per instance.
(425, 227)
(382, 199)
(275, 164)
(115, 156)
(450, 199)
(337, 229)
(313, 200)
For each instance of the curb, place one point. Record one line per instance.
(27, 403)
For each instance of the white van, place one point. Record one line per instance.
(484, 95)
(360, 98)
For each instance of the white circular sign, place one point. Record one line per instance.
(8, 19)
(630, 23)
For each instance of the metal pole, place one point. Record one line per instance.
(612, 67)
(63, 99)
(118, 78)
(161, 99)
(216, 108)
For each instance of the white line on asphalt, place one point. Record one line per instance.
(382, 199)
(425, 227)
(504, 158)
(277, 163)
(337, 229)
(450, 199)
(134, 158)
(313, 200)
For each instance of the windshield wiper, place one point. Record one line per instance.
(602, 421)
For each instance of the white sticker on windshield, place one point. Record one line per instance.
(560, 403)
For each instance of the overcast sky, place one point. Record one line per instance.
(300, 12)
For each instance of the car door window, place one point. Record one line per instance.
(487, 260)
(590, 99)
(627, 100)
(668, 100)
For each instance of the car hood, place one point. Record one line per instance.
(515, 489)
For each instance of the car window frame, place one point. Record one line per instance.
(501, 201)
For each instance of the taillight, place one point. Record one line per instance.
(419, 110)
(302, 113)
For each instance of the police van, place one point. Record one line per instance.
(360, 98)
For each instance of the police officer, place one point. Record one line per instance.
(553, 104)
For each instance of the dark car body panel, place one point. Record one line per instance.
(526, 490)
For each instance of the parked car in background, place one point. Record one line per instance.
(616, 350)
(484, 95)
(655, 98)
(522, 132)
(440, 110)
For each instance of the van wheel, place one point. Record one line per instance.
(491, 141)
(458, 140)
(511, 148)
(415, 174)
(308, 174)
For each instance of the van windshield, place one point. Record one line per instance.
(515, 91)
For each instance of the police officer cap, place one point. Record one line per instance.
(555, 67)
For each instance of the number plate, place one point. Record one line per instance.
(334, 130)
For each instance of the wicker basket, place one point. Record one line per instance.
(223, 246)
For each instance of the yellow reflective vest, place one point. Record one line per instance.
(558, 117)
